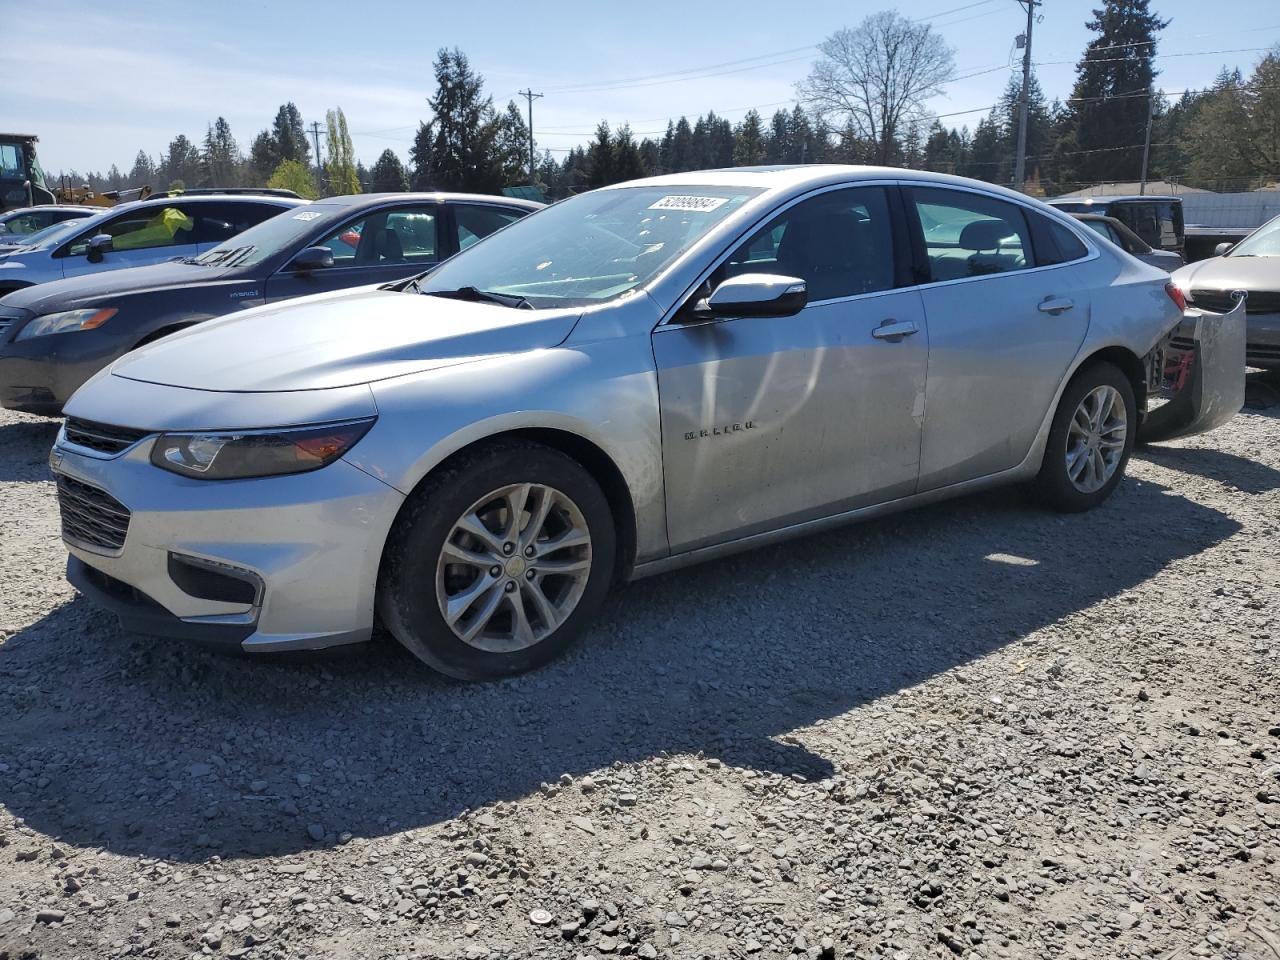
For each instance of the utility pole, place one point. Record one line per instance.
(529, 95)
(315, 136)
(1020, 169)
(1146, 143)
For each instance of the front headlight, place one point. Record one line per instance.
(66, 322)
(239, 455)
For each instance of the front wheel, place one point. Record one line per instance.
(498, 561)
(1090, 440)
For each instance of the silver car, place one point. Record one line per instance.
(634, 379)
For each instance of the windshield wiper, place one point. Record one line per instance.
(477, 295)
(225, 257)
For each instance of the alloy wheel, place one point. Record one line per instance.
(513, 567)
(1096, 438)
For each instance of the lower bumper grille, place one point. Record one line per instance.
(91, 517)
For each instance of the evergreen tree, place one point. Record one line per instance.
(263, 157)
(987, 157)
(1040, 133)
(940, 149)
(748, 147)
(420, 159)
(682, 147)
(289, 135)
(143, 172)
(221, 156)
(340, 164)
(778, 143)
(462, 132)
(720, 145)
(1217, 138)
(179, 166)
(649, 156)
(627, 164)
(512, 145)
(600, 160)
(388, 174)
(1107, 116)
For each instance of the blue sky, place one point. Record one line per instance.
(98, 85)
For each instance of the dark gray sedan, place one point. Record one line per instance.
(1128, 241)
(54, 336)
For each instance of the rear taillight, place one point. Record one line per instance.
(1176, 296)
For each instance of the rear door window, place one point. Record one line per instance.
(474, 222)
(970, 235)
(215, 222)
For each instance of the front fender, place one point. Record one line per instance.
(604, 392)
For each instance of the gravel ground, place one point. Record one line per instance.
(975, 730)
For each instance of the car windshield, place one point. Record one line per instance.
(1263, 242)
(50, 234)
(269, 237)
(590, 248)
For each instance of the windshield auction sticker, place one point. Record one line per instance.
(307, 216)
(691, 204)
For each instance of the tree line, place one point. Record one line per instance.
(862, 102)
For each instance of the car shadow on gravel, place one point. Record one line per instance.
(1262, 393)
(24, 449)
(151, 748)
(1243, 474)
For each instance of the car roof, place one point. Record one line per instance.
(1101, 201)
(282, 202)
(794, 178)
(357, 200)
(52, 206)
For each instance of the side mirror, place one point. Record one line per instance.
(312, 258)
(1222, 249)
(755, 295)
(98, 245)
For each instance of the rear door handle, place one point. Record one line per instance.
(1055, 305)
(895, 330)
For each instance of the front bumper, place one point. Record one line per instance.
(39, 375)
(310, 542)
(1200, 380)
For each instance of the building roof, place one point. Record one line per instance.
(1132, 188)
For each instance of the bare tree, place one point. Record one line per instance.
(878, 76)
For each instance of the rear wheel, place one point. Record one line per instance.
(1090, 440)
(498, 561)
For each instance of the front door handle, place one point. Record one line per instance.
(1055, 305)
(895, 330)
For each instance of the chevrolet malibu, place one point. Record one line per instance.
(634, 379)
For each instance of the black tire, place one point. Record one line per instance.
(1053, 486)
(407, 601)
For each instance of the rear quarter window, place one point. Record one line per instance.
(1055, 243)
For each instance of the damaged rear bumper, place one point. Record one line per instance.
(1197, 375)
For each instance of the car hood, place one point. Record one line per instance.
(338, 340)
(1231, 273)
(71, 292)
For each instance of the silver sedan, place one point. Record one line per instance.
(634, 379)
